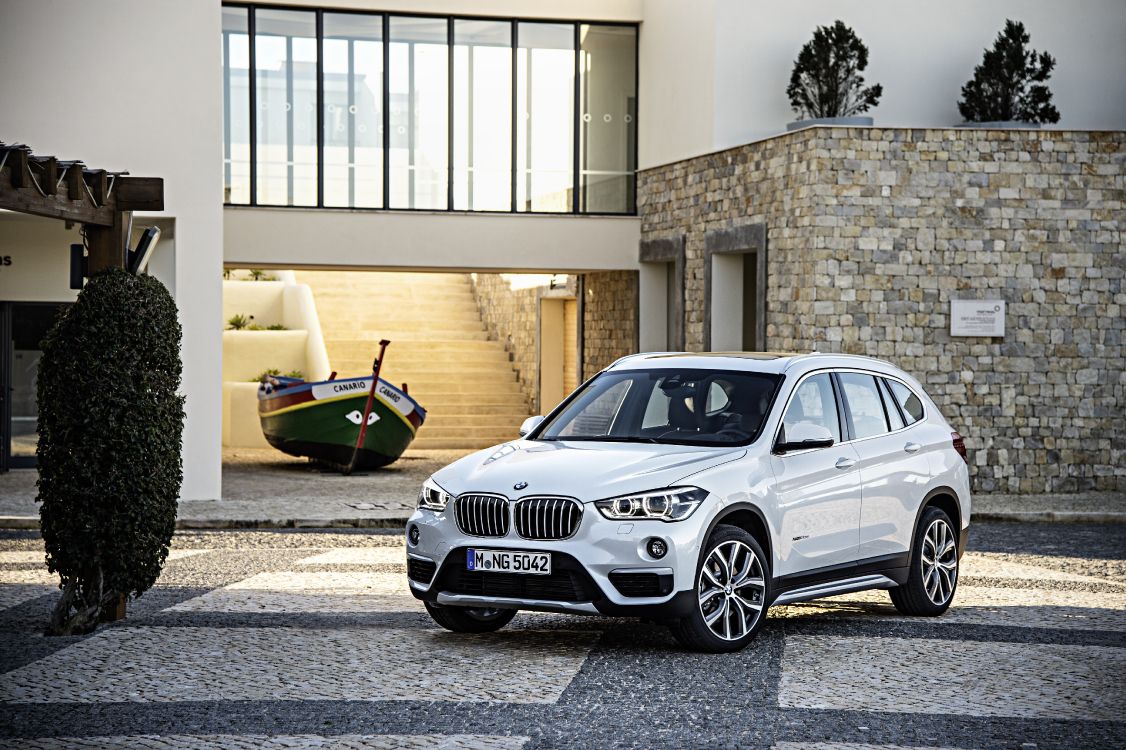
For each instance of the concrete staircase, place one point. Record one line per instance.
(439, 349)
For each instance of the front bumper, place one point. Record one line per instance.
(590, 570)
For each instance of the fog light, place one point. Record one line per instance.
(413, 534)
(656, 548)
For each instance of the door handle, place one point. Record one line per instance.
(912, 447)
(845, 463)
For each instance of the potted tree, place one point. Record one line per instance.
(826, 87)
(1008, 89)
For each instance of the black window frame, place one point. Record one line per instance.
(576, 207)
(848, 407)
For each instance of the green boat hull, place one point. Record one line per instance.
(323, 431)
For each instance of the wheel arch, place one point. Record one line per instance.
(748, 517)
(945, 499)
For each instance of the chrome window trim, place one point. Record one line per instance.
(830, 371)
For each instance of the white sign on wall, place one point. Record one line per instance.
(977, 317)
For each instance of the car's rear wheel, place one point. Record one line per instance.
(933, 579)
(470, 619)
(731, 594)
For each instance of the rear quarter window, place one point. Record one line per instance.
(910, 404)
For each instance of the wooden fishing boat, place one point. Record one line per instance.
(322, 420)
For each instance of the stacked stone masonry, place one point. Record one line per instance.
(609, 324)
(871, 232)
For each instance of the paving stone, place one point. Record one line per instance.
(13, 594)
(145, 664)
(360, 556)
(848, 746)
(960, 677)
(252, 741)
(1019, 607)
(993, 565)
(295, 592)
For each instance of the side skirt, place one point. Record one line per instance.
(860, 583)
(881, 572)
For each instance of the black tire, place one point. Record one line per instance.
(470, 619)
(694, 632)
(917, 597)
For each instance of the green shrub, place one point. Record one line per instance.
(237, 322)
(276, 327)
(1010, 82)
(826, 80)
(273, 372)
(110, 426)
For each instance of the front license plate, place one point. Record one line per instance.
(506, 561)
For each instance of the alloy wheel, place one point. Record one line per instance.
(731, 590)
(939, 561)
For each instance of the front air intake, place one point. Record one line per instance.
(482, 515)
(547, 518)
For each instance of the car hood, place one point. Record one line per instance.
(585, 470)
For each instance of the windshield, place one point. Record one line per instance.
(687, 407)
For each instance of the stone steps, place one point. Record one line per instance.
(440, 348)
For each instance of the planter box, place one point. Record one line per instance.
(843, 122)
(1002, 125)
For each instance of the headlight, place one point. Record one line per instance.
(672, 504)
(432, 497)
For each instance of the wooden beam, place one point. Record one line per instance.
(17, 163)
(75, 186)
(139, 193)
(48, 178)
(30, 185)
(98, 183)
(29, 201)
(107, 244)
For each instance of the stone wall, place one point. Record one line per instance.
(609, 318)
(871, 232)
(609, 323)
(511, 316)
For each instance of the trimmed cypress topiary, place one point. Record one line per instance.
(826, 80)
(1009, 83)
(110, 427)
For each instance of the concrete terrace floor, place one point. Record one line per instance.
(302, 638)
(266, 488)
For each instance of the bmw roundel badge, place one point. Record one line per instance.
(519, 485)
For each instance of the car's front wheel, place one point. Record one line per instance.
(933, 579)
(470, 619)
(731, 594)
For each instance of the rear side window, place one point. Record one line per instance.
(865, 408)
(909, 403)
(895, 419)
(813, 401)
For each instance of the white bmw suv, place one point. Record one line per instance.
(697, 490)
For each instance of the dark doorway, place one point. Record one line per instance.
(22, 327)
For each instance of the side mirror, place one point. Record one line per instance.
(532, 423)
(804, 436)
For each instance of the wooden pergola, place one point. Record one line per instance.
(101, 201)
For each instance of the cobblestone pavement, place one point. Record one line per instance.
(310, 639)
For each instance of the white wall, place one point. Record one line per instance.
(440, 241)
(676, 81)
(738, 54)
(135, 84)
(570, 10)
